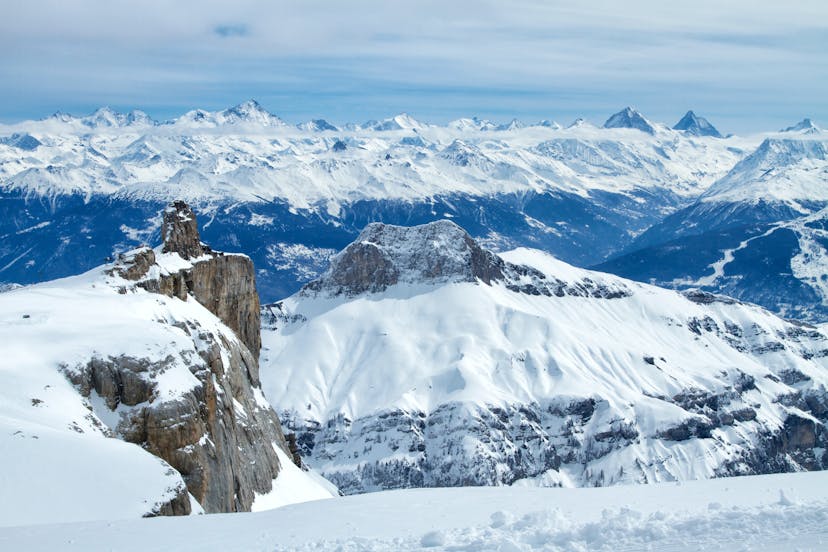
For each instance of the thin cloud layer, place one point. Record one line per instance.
(747, 65)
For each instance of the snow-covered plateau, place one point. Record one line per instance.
(776, 513)
(75, 191)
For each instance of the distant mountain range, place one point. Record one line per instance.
(78, 190)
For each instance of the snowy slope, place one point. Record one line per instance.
(60, 462)
(790, 171)
(754, 234)
(551, 373)
(778, 264)
(776, 513)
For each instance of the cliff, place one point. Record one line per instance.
(219, 433)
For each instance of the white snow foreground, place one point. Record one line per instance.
(58, 461)
(603, 381)
(769, 513)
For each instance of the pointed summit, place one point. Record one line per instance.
(180, 231)
(805, 126)
(249, 112)
(104, 117)
(630, 118)
(514, 124)
(696, 126)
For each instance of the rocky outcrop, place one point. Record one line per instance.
(431, 254)
(224, 283)
(216, 430)
(179, 231)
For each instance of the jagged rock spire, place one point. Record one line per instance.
(179, 231)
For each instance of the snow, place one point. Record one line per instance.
(59, 462)
(772, 512)
(58, 475)
(719, 266)
(810, 265)
(293, 486)
(247, 154)
(782, 169)
(417, 347)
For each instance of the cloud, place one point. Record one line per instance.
(227, 31)
(741, 60)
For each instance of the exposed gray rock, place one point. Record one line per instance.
(179, 231)
(436, 253)
(223, 283)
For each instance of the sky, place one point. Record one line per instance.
(745, 65)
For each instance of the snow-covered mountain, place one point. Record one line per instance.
(287, 196)
(422, 359)
(697, 126)
(756, 234)
(805, 126)
(630, 118)
(76, 191)
(132, 390)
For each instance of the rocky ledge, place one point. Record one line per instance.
(220, 433)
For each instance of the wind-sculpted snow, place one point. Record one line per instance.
(459, 380)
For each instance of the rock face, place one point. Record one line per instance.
(440, 252)
(225, 284)
(217, 431)
(179, 231)
(630, 118)
(697, 126)
(385, 255)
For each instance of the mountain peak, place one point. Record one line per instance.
(439, 253)
(401, 121)
(384, 255)
(474, 123)
(805, 126)
(696, 126)
(514, 124)
(548, 124)
(250, 111)
(179, 232)
(317, 125)
(630, 118)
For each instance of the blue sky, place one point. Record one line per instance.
(746, 65)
